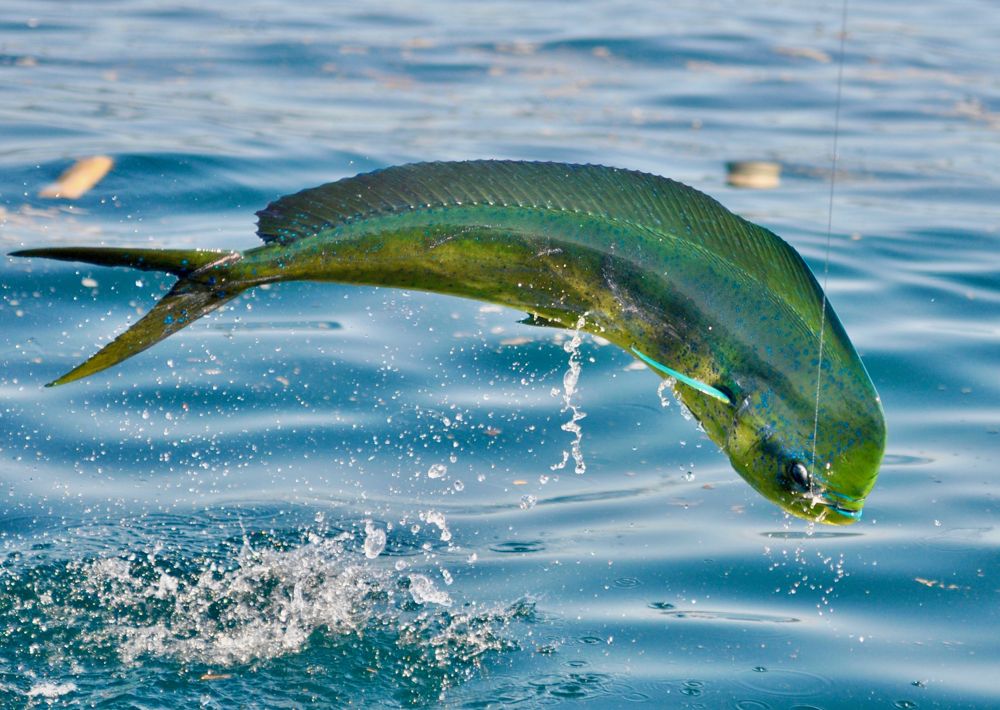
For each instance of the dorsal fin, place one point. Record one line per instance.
(656, 204)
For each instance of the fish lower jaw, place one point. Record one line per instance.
(833, 508)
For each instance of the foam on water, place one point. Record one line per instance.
(50, 691)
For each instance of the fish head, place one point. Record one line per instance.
(770, 441)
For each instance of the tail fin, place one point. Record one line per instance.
(187, 301)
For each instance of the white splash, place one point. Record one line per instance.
(423, 591)
(434, 517)
(570, 379)
(375, 539)
(254, 603)
(50, 691)
(275, 600)
(668, 386)
(665, 390)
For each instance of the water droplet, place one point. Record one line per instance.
(437, 470)
(570, 379)
(528, 501)
(423, 590)
(434, 517)
(375, 539)
(662, 391)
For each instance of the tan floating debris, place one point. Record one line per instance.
(754, 174)
(933, 583)
(79, 178)
(517, 340)
(817, 55)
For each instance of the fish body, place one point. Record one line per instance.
(656, 267)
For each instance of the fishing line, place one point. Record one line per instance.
(829, 228)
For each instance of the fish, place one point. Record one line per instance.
(725, 309)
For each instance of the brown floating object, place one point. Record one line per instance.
(754, 174)
(79, 178)
(817, 55)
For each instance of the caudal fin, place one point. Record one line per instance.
(200, 290)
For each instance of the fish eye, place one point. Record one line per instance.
(799, 474)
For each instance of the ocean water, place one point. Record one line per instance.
(337, 496)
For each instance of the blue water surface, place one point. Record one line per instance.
(340, 496)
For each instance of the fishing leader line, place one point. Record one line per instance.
(829, 229)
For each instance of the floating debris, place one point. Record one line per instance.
(753, 174)
(79, 178)
(817, 55)
(935, 584)
(517, 340)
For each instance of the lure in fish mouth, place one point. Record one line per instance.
(725, 308)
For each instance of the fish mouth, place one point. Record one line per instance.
(838, 509)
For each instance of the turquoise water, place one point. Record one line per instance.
(203, 525)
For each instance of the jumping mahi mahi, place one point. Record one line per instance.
(724, 307)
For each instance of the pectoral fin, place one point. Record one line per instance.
(689, 381)
(541, 321)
